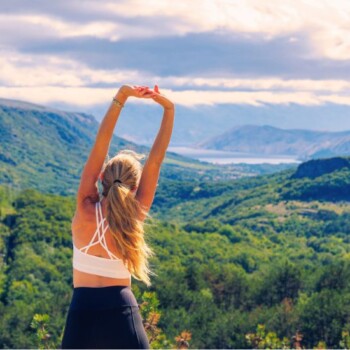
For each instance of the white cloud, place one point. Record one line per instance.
(22, 71)
(256, 98)
(88, 97)
(44, 26)
(20, 27)
(47, 70)
(50, 79)
(77, 96)
(324, 24)
(267, 83)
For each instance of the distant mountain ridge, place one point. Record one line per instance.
(197, 123)
(45, 149)
(268, 140)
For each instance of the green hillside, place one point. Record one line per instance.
(229, 202)
(230, 256)
(45, 149)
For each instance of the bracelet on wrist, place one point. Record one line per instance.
(118, 103)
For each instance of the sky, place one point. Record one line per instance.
(77, 53)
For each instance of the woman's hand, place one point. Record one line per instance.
(158, 97)
(131, 91)
(146, 92)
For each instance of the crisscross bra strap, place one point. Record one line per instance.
(100, 223)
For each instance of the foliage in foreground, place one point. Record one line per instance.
(218, 277)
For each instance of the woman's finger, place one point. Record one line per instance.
(148, 94)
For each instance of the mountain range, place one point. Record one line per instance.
(268, 140)
(45, 148)
(195, 124)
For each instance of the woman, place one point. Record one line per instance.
(103, 312)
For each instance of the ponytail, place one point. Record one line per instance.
(121, 174)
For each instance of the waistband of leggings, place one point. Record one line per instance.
(102, 297)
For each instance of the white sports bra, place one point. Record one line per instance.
(82, 261)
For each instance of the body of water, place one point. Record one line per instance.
(223, 157)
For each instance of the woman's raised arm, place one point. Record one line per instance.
(88, 182)
(151, 170)
(162, 140)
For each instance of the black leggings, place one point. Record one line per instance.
(104, 318)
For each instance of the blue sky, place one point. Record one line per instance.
(201, 52)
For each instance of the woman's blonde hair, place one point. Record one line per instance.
(120, 176)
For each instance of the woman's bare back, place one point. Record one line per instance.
(83, 228)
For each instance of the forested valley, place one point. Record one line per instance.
(258, 262)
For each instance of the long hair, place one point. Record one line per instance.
(120, 176)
